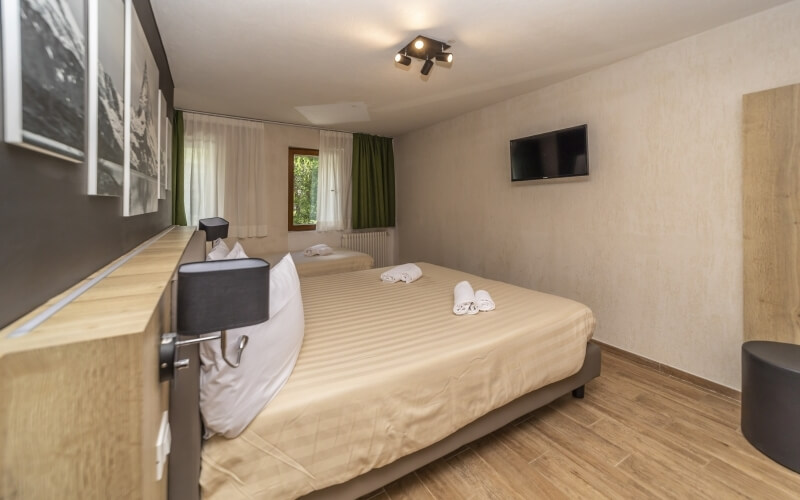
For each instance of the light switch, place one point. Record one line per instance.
(163, 444)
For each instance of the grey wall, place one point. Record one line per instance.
(53, 234)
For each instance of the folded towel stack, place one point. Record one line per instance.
(467, 301)
(321, 249)
(405, 272)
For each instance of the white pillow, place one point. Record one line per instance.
(219, 250)
(230, 398)
(237, 252)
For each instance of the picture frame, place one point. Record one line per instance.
(141, 181)
(162, 146)
(105, 150)
(45, 98)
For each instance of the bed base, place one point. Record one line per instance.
(495, 419)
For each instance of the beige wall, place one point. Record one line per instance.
(652, 239)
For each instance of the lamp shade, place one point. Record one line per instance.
(222, 294)
(215, 227)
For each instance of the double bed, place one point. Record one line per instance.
(387, 380)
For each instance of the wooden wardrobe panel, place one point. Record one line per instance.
(771, 215)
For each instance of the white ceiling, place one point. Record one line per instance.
(331, 63)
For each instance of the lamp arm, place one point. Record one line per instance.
(242, 344)
(168, 352)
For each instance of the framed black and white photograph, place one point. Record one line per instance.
(162, 146)
(141, 126)
(44, 98)
(105, 154)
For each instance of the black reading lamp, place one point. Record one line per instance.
(215, 227)
(215, 296)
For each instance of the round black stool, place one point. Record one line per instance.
(771, 400)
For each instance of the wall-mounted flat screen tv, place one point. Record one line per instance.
(561, 153)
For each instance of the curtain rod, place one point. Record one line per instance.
(272, 122)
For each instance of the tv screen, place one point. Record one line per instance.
(561, 153)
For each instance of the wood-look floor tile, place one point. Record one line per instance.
(408, 487)
(595, 457)
(746, 481)
(376, 495)
(577, 410)
(660, 479)
(569, 477)
(571, 435)
(643, 421)
(637, 434)
(523, 477)
(718, 408)
(481, 478)
(528, 445)
(727, 450)
(442, 481)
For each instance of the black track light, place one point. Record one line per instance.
(444, 57)
(426, 68)
(426, 50)
(402, 59)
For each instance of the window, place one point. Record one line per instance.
(303, 168)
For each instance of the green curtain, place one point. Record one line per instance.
(178, 208)
(373, 181)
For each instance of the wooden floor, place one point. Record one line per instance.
(637, 434)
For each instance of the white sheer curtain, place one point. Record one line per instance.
(224, 173)
(334, 180)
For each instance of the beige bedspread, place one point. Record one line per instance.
(342, 260)
(387, 369)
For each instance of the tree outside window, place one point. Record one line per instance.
(303, 168)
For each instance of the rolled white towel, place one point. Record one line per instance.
(464, 299)
(410, 273)
(406, 272)
(319, 249)
(484, 301)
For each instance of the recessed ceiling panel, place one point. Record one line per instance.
(331, 114)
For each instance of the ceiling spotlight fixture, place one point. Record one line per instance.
(444, 57)
(425, 49)
(402, 59)
(426, 68)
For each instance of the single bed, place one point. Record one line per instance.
(342, 260)
(388, 379)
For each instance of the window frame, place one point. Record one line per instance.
(292, 152)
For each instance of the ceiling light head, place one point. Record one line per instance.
(402, 59)
(419, 43)
(426, 68)
(444, 57)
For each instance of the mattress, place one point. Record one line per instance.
(387, 369)
(342, 260)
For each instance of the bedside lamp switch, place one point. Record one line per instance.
(163, 444)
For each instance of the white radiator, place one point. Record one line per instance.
(374, 243)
